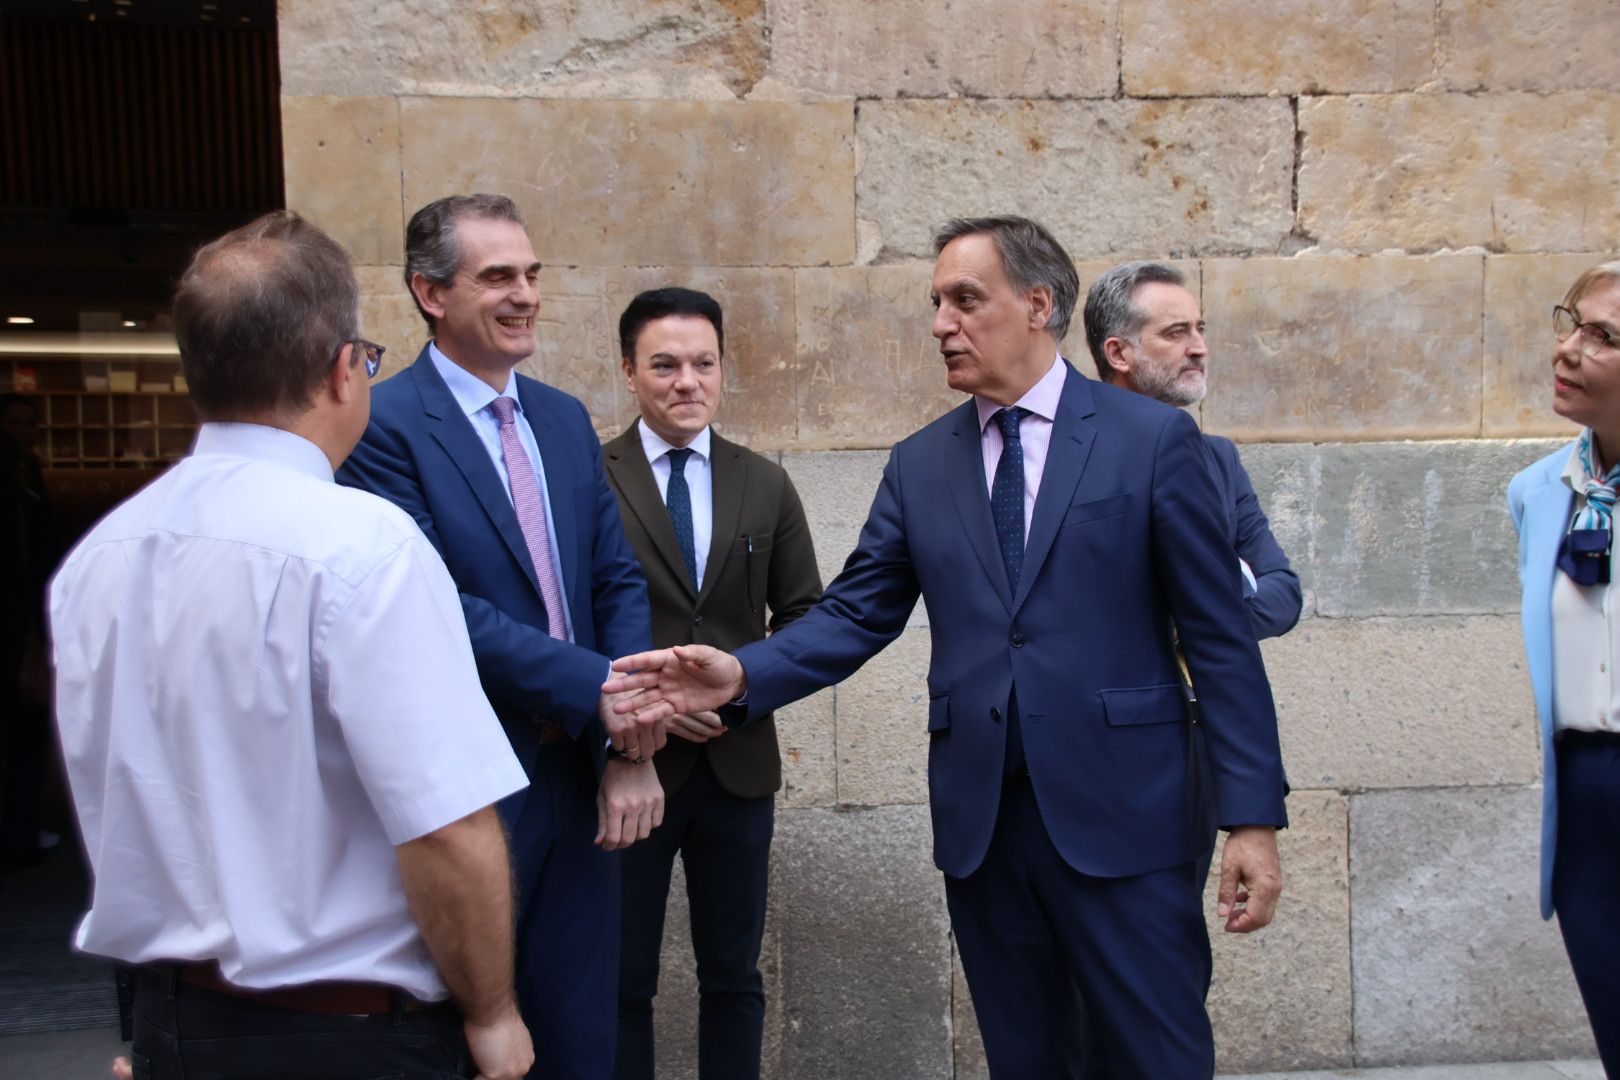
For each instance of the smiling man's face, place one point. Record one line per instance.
(485, 316)
(675, 376)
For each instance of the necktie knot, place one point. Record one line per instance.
(505, 409)
(1008, 420)
(677, 460)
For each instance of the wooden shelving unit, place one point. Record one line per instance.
(101, 408)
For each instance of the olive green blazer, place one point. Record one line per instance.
(761, 573)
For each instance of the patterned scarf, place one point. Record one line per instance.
(1584, 555)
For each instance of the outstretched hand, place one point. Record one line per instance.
(665, 682)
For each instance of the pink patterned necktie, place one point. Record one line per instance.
(531, 512)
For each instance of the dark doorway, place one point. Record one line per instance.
(131, 132)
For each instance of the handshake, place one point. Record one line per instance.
(667, 691)
(674, 689)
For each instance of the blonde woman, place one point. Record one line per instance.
(1563, 507)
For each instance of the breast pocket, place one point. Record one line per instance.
(1098, 509)
(752, 553)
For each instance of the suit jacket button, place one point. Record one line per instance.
(1017, 640)
(995, 714)
(697, 620)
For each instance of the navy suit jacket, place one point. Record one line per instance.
(1275, 604)
(1129, 531)
(421, 453)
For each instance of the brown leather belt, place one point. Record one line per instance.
(339, 998)
(551, 733)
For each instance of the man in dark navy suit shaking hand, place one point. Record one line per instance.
(1055, 527)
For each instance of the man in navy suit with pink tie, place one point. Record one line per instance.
(1055, 527)
(504, 475)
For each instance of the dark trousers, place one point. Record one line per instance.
(725, 844)
(1037, 937)
(567, 917)
(183, 1032)
(1586, 879)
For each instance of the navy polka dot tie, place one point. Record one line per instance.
(678, 498)
(1007, 493)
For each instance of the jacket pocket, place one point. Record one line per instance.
(1096, 509)
(939, 713)
(1144, 705)
(753, 554)
(761, 544)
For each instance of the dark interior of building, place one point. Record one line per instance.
(131, 131)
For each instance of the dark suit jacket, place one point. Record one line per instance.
(421, 452)
(755, 507)
(1274, 607)
(1129, 531)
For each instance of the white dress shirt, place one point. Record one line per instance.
(1035, 433)
(476, 398)
(264, 684)
(1585, 645)
(699, 474)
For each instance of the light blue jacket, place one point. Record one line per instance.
(1540, 504)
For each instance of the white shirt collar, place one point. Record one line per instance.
(263, 443)
(1042, 398)
(655, 446)
(471, 393)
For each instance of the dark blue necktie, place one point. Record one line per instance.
(1007, 494)
(678, 498)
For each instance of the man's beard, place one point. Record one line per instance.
(1180, 388)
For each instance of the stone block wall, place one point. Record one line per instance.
(1378, 203)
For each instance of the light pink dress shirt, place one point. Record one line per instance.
(1035, 433)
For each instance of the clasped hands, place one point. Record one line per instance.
(680, 687)
(638, 718)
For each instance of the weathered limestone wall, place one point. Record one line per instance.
(1379, 202)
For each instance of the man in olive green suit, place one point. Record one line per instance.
(723, 542)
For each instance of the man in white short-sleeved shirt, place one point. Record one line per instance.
(282, 761)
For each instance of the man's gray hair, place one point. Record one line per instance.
(1030, 256)
(1110, 311)
(432, 247)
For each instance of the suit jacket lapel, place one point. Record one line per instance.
(554, 456)
(1066, 456)
(452, 430)
(964, 473)
(627, 461)
(1546, 517)
(728, 482)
